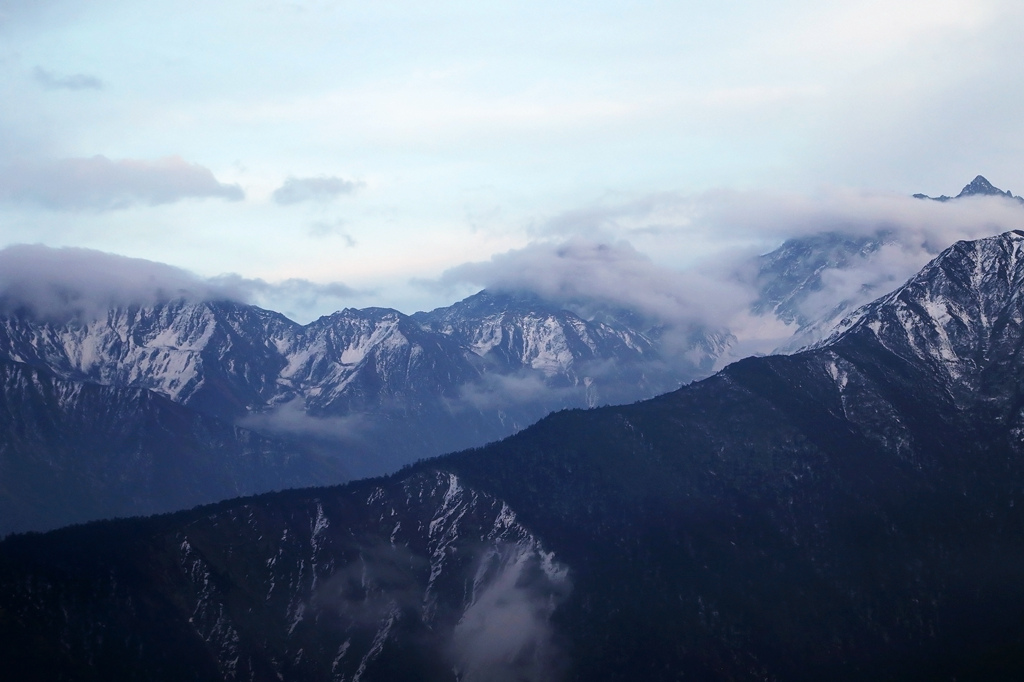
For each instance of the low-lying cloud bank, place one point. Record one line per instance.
(623, 257)
(935, 225)
(583, 273)
(58, 283)
(65, 283)
(99, 183)
(730, 216)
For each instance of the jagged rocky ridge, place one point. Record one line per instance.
(848, 512)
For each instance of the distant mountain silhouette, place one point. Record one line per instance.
(979, 186)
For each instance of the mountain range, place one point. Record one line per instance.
(352, 394)
(845, 512)
(356, 393)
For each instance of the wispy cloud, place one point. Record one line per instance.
(291, 419)
(323, 188)
(99, 183)
(77, 81)
(294, 297)
(293, 286)
(506, 632)
(331, 228)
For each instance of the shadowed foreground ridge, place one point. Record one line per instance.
(848, 512)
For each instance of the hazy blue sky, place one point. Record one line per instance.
(381, 144)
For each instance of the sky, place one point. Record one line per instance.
(330, 154)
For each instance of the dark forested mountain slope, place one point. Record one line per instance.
(849, 512)
(73, 450)
(412, 578)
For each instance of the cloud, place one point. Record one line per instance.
(650, 213)
(63, 283)
(580, 273)
(100, 183)
(676, 224)
(931, 224)
(78, 81)
(296, 298)
(302, 290)
(506, 633)
(633, 256)
(507, 391)
(384, 577)
(323, 188)
(58, 283)
(324, 228)
(291, 419)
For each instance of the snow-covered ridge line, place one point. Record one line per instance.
(234, 359)
(965, 304)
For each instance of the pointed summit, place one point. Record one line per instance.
(979, 186)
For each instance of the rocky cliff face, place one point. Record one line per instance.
(579, 362)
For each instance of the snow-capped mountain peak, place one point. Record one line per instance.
(962, 310)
